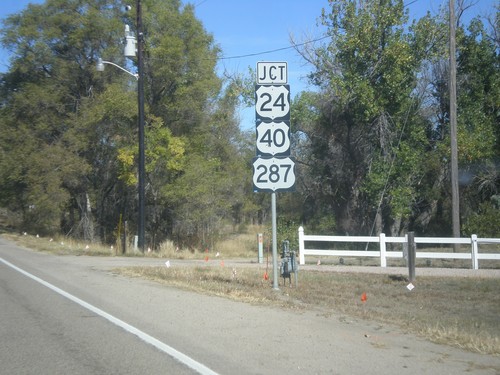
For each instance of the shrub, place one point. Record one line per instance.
(485, 222)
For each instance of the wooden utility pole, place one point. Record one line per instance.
(140, 99)
(453, 128)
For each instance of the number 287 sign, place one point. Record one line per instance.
(271, 174)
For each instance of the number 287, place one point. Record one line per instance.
(273, 173)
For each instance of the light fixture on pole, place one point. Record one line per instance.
(100, 67)
(130, 51)
(130, 43)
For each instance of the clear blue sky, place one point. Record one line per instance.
(244, 27)
(255, 26)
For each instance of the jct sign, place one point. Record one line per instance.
(272, 73)
(273, 169)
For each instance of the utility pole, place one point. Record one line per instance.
(140, 95)
(453, 128)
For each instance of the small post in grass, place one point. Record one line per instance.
(411, 256)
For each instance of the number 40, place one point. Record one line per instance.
(276, 137)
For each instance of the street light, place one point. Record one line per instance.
(130, 51)
(100, 67)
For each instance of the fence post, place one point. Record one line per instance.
(411, 256)
(302, 260)
(124, 237)
(260, 248)
(475, 251)
(383, 259)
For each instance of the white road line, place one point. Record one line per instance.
(181, 357)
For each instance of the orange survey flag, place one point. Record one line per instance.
(363, 297)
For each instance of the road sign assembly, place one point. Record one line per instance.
(273, 168)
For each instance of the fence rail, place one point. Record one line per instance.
(474, 255)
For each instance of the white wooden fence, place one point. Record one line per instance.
(474, 255)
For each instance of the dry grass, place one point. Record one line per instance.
(241, 245)
(462, 312)
(235, 246)
(60, 245)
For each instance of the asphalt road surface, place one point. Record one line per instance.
(72, 315)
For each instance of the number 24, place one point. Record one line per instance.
(268, 107)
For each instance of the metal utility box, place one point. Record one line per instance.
(288, 263)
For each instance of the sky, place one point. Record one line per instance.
(253, 27)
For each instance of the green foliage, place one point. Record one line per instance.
(181, 58)
(485, 222)
(371, 143)
(196, 196)
(479, 94)
(322, 225)
(286, 230)
(374, 145)
(365, 136)
(57, 104)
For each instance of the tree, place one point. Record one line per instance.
(477, 98)
(363, 147)
(70, 143)
(210, 190)
(479, 116)
(52, 70)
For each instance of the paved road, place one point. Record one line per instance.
(43, 332)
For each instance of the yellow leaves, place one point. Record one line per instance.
(126, 160)
(164, 153)
(176, 150)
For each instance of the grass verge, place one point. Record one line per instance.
(461, 312)
(60, 245)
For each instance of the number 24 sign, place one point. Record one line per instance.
(272, 102)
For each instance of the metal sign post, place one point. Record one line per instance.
(411, 256)
(275, 241)
(273, 168)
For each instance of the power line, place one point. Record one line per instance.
(284, 48)
(264, 52)
(273, 50)
(410, 3)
